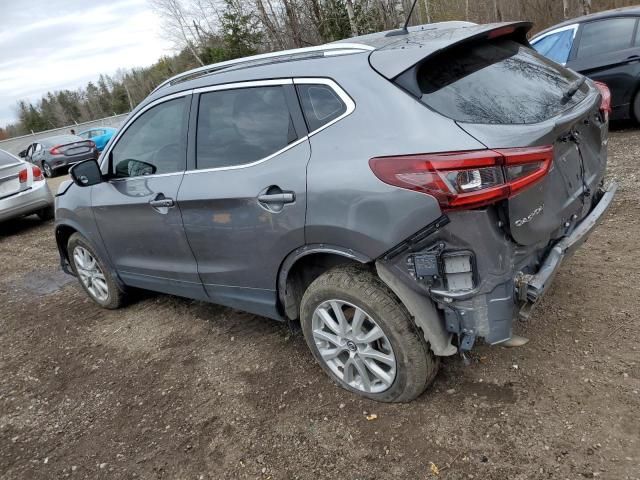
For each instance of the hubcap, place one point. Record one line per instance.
(47, 169)
(353, 346)
(90, 273)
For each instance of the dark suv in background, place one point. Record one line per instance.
(604, 46)
(402, 195)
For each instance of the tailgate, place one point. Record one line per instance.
(551, 208)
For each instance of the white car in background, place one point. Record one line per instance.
(23, 189)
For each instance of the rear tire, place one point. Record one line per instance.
(94, 275)
(47, 214)
(47, 170)
(359, 293)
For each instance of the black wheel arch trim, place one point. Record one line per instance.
(64, 255)
(310, 249)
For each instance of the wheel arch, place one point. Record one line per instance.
(303, 265)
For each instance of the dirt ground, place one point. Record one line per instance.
(172, 388)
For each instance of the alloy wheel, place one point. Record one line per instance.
(90, 274)
(47, 169)
(353, 346)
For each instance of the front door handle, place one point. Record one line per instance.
(283, 197)
(162, 203)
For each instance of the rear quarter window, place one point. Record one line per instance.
(499, 82)
(320, 105)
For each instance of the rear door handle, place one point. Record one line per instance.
(284, 197)
(162, 203)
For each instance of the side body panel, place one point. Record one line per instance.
(238, 242)
(347, 204)
(147, 245)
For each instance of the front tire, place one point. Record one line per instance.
(96, 279)
(635, 107)
(364, 338)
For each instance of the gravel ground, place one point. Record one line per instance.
(172, 388)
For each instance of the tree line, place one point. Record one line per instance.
(210, 31)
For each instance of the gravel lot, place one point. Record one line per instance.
(172, 388)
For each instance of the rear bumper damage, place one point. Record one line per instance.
(508, 279)
(532, 287)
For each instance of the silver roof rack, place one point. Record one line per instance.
(327, 50)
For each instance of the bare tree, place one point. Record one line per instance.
(352, 17)
(177, 25)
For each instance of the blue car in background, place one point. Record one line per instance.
(100, 136)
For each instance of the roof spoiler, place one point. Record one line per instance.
(397, 57)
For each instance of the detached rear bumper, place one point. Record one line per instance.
(532, 287)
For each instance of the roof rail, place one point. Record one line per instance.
(325, 50)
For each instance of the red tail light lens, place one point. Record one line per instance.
(605, 103)
(466, 179)
(37, 173)
(55, 151)
(23, 176)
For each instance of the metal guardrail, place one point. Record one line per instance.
(16, 144)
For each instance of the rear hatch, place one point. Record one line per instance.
(504, 94)
(10, 168)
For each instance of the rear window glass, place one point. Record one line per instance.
(501, 82)
(60, 140)
(6, 159)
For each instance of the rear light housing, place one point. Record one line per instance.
(55, 151)
(605, 103)
(23, 176)
(37, 173)
(464, 180)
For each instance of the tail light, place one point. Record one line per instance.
(466, 179)
(605, 103)
(37, 173)
(55, 151)
(23, 176)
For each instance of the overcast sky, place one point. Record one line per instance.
(55, 44)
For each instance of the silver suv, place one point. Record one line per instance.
(402, 195)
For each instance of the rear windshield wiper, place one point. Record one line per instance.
(573, 88)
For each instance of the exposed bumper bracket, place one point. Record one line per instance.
(536, 285)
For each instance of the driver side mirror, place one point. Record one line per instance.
(85, 174)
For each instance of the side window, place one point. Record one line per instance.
(320, 104)
(556, 46)
(605, 36)
(38, 147)
(241, 126)
(85, 135)
(155, 142)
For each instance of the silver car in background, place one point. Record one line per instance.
(23, 189)
(56, 153)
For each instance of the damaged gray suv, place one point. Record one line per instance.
(403, 195)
